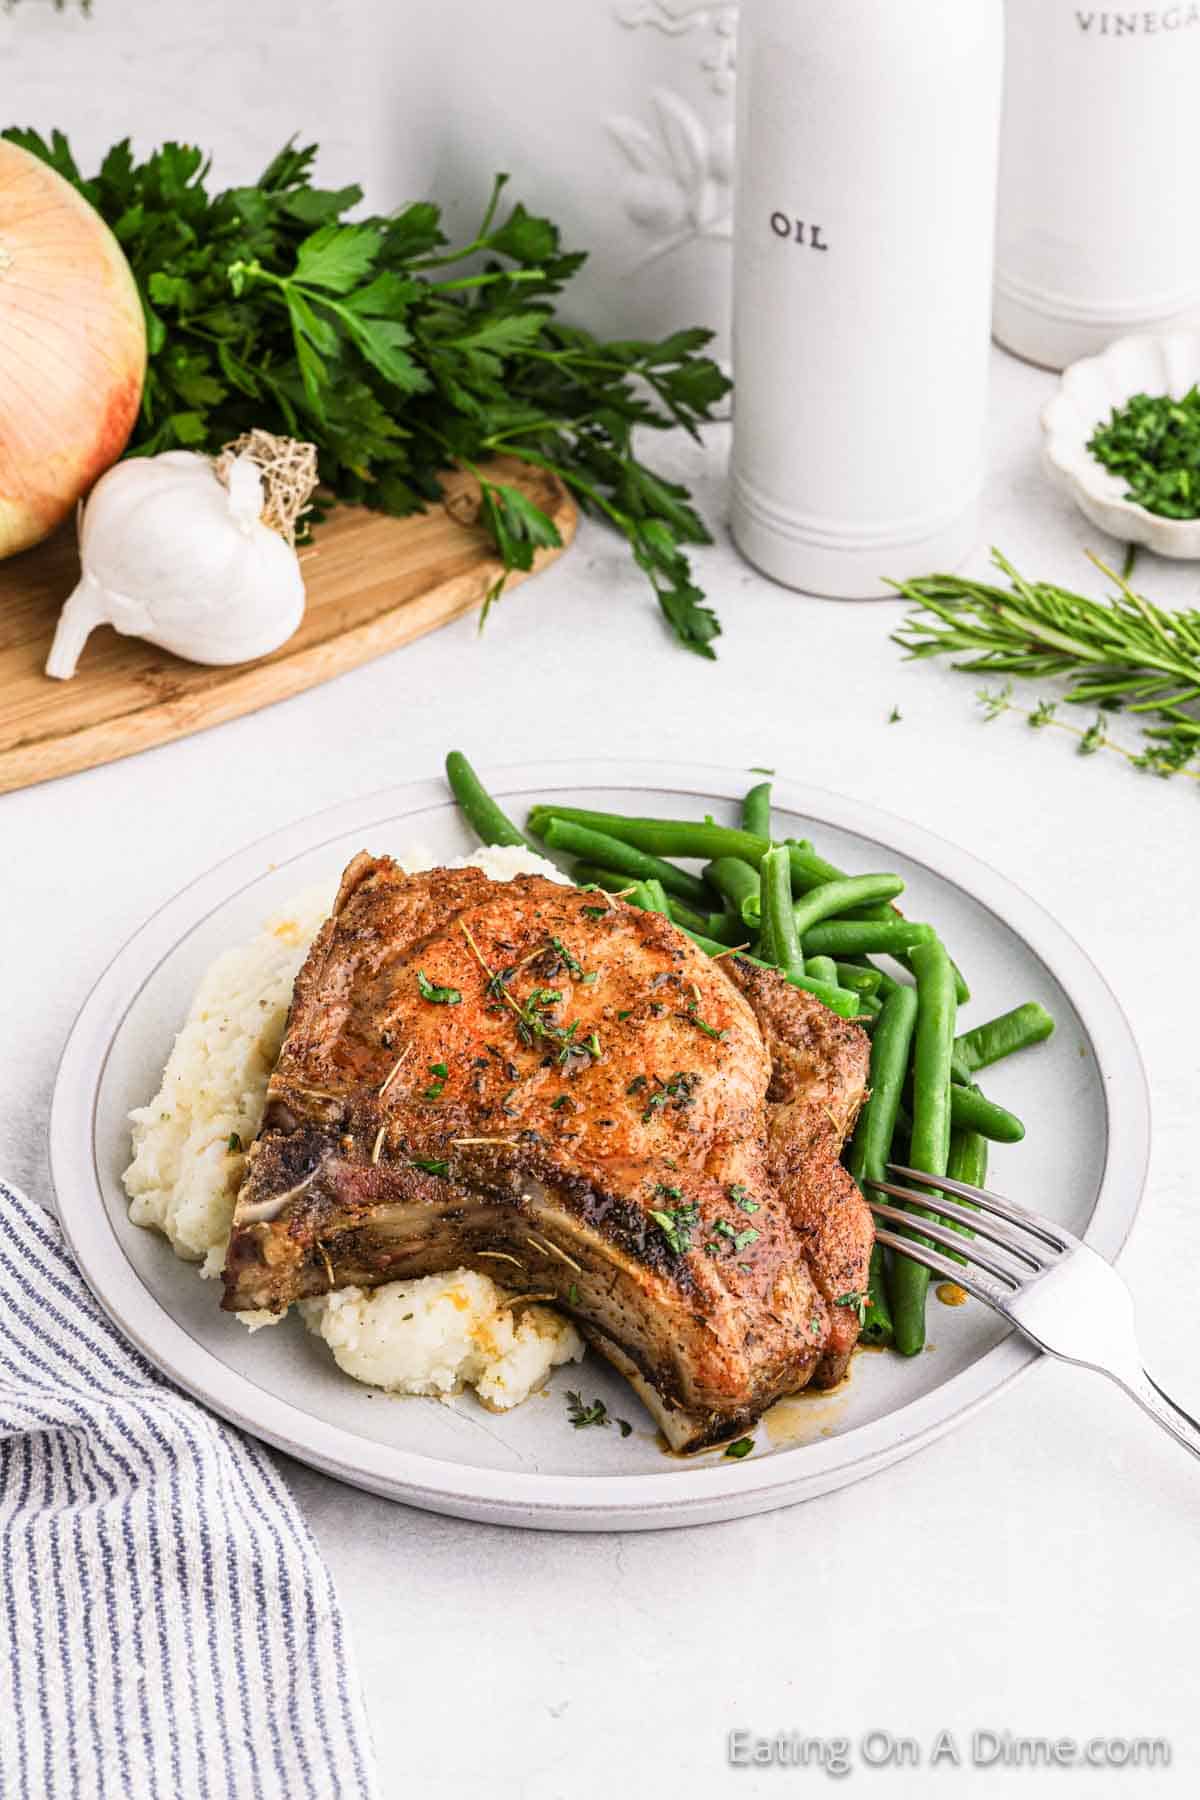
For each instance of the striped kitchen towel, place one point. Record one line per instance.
(168, 1626)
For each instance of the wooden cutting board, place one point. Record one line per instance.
(373, 584)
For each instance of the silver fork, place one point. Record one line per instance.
(1032, 1271)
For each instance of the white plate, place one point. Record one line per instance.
(1083, 1097)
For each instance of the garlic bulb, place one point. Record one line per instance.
(173, 553)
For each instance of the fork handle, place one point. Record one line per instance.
(1169, 1414)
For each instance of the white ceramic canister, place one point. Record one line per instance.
(614, 117)
(864, 223)
(1099, 150)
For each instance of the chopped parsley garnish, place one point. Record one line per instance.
(626, 1013)
(592, 1046)
(590, 979)
(234, 1144)
(672, 1193)
(741, 1198)
(432, 1165)
(739, 1239)
(693, 1016)
(437, 996)
(739, 1448)
(626, 1427)
(574, 966)
(439, 1071)
(581, 1415)
(636, 1085)
(573, 1294)
(594, 912)
(677, 1224)
(859, 1302)
(563, 1100)
(679, 1090)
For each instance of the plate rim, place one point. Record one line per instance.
(556, 1501)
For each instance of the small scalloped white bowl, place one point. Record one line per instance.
(1166, 363)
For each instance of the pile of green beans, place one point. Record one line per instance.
(783, 906)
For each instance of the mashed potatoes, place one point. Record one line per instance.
(414, 1337)
(432, 1336)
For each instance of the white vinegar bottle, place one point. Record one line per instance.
(1099, 151)
(867, 140)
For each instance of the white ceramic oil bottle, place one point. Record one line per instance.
(1099, 149)
(864, 220)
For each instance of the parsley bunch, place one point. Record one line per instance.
(372, 340)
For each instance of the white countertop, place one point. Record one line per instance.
(1036, 1571)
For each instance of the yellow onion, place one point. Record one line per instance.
(72, 348)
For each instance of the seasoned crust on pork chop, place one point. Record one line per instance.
(600, 1133)
(819, 1068)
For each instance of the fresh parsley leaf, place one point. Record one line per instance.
(739, 1448)
(437, 996)
(266, 306)
(432, 1165)
(677, 1224)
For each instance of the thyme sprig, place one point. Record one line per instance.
(1122, 653)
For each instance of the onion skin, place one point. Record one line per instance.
(72, 348)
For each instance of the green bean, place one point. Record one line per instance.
(886, 983)
(756, 810)
(962, 992)
(705, 841)
(877, 1326)
(610, 853)
(838, 1000)
(822, 968)
(870, 1148)
(968, 1161)
(650, 896)
(611, 880)
(851, 937)
(858, 980)
(725, 928)
(997, 1038)
(680, 913)
(490, 824)
(701, 839)
(739, 884)
(830, 899)
(970, 1111)
(780, 938)
(932, 1047)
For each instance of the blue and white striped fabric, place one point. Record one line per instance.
(168, 1628)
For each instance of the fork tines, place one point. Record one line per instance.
(1030, 1244)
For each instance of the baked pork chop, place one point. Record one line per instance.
(562, 1091)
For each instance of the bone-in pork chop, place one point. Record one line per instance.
(562, 1091)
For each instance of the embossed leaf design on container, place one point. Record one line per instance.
(677, 18)
(679, 178)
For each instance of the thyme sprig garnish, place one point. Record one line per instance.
(597, 1413)
(1122, 653)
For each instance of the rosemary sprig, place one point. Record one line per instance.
(1117, 654)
